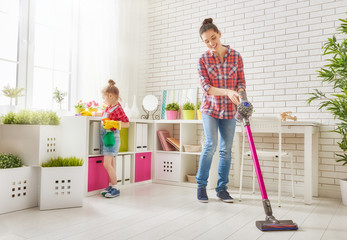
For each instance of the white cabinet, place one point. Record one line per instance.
(172, 167)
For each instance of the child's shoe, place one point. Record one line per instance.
(106, 190)
(113, 193)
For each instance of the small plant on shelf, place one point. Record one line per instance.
(63, 162)
(172, 107)
(10, 161)
(188, 106)
(198, 105)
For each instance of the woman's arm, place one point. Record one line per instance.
(233, 95)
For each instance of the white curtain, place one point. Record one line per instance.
(112, 45)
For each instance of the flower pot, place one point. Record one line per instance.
(343, 187)
(79, 109)
(18, 188)
(171, 115)
(61, 187)
(199, 114)
(188, 114)
(34, 144)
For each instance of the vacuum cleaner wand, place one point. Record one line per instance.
(244, 111)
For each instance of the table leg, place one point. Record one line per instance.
(308, 165)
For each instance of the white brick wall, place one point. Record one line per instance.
(280, 41)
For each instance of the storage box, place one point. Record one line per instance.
(168, 166)
(97, 174)
(142, 166)
(18, 188)
(34, 144)
(192, 148)
(123, 133)
(61, 187)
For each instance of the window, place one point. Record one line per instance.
(36, 50)
(9, 25)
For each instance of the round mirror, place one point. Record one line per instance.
(150, 102)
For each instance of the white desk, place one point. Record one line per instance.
(310, 131)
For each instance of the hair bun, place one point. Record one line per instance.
(111, 82)
(207, 21)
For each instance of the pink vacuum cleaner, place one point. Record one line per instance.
(244, 111)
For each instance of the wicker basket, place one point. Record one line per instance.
(192, 148)
(191, 178)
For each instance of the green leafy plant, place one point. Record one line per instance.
(10, 161)
(59, 96)
(63, 162)
(198, 105)
(188, 106)
(335, 73)
(172, 107)
(12, 93)
(31, 118)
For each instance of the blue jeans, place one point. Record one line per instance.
(226, 129)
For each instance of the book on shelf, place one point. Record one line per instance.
(163, 135)
(174, 142)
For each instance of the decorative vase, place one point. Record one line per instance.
(171, 115)
(79, 109)
(188, 114)
(135, 113)
(127, 111)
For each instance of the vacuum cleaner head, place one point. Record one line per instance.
(281, 226)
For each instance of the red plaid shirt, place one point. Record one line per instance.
(117, 115)
(228, 75)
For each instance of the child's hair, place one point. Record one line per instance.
(111, 88)
(208, 24)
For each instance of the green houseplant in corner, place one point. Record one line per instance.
(171, 111)
(188, 111)
(335, 74)
(198, 112)
(62, 182)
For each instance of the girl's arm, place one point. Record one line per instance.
(125, 124)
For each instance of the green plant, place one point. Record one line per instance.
(335, 73)
(10, 161)
(198, 105)
(63, 162)
(172, 107)
(188, 106)
(12, 92)
(59, 96)
(31, 118)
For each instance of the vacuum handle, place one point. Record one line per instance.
(256, 163)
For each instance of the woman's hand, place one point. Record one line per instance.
(234, 96)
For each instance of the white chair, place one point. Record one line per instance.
(270, 124)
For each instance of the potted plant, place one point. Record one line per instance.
(188, 111)
(171, 111)
(198, 112)
(335, 73)
(59, 96)
(92, 107)
(18, 184)
(12, 93)
(62, 183)
(80, 107)
(36, 132)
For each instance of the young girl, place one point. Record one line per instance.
(114, 119)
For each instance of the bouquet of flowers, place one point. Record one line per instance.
(80, 106)
(92, 106)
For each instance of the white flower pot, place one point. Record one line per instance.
(18, 188)
(61, 187)
(34, 144)
(343, 187)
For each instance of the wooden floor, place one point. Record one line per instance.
(156, 211)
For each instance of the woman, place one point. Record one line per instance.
(221, 78)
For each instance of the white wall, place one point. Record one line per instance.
(280, 42)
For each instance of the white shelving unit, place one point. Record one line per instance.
(76, 140)
(172, 167)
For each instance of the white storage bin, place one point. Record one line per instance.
(61, 187)
(168, 166)
(18, 188)
(34, 144)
